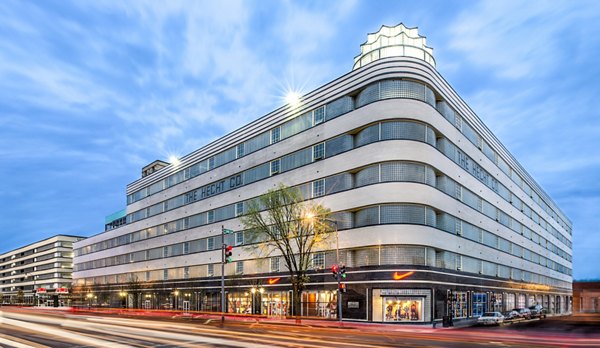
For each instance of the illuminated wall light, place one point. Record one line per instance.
(292, 98)
(174, 160)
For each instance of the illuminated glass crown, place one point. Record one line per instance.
(398, 41)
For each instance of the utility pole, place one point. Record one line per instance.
(225, 258)
(339, 273)
(222, 275)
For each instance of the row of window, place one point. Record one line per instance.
(372, 256)
(469, 165)
(16, 265)
(455, 119)
(377, 132)
(384, 172)
(381, 90)
(452, 188)
(24, 271)
(286, 130)
(17, 257)
(375, 215)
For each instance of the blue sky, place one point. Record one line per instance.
(92, 91)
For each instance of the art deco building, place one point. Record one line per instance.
(435, 217)
(38, 273)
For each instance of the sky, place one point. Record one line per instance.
(92, 91)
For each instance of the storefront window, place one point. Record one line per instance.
(497, 302)
(510, 301)
(459, 304)
(275, 304)
(319, 304)
(239, 302)
(402, 308)
(521, 301)
(479, 303)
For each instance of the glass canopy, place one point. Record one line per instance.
(398, 41)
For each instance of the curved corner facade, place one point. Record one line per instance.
(436, 218)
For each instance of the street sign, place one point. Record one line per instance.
(227, 231)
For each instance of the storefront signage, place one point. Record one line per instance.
(213, 189)
(400, 276)
(353, 304)
(40, 290)
(62, 291)
(273, 280)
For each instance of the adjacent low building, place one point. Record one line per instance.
(435, 217)
(39, 273)
(586, 296)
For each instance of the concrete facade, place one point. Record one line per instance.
(42, 269)
(416, 182)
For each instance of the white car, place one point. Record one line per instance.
(491, 318)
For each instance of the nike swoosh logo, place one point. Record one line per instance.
(403, 275)
(273, 280)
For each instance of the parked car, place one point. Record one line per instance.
(524, 313)
(537, 311)
(491, 318)
(510, 315)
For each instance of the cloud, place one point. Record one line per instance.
(519, 39)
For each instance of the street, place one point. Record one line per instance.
(25, 327)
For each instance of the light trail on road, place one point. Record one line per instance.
(32, 328)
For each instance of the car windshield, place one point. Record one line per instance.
(489, 314)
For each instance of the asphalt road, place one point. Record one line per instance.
(35, 328)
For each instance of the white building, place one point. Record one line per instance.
(436, 218)
(41, 269)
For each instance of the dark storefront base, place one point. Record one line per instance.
(424, 296)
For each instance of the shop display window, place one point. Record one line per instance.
(403, 309)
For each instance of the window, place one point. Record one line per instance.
(210, 243)
(211, 216)
(186, 272)
(318, 188)
(239, 209)
(165, 274)
(186, 247)
(211, 163)
(275, 166)
(211, 270)
(318, 260)
(319, 115)
(318, 151)
(239, 267)
(275, 262)
(479, 304)
(239, 238)
(275, 134)
(240, 150)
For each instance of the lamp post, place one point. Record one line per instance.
(123, 295)
(89, 296)
(176, 293)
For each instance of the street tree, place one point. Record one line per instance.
(280, 223)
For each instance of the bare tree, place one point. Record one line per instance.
(283, 224)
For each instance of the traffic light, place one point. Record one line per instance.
(342, 287)
(334, 270)
(343, 271)
(228, 252)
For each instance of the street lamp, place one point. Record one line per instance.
(89, 296)
(123, 295)
(176, 293)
